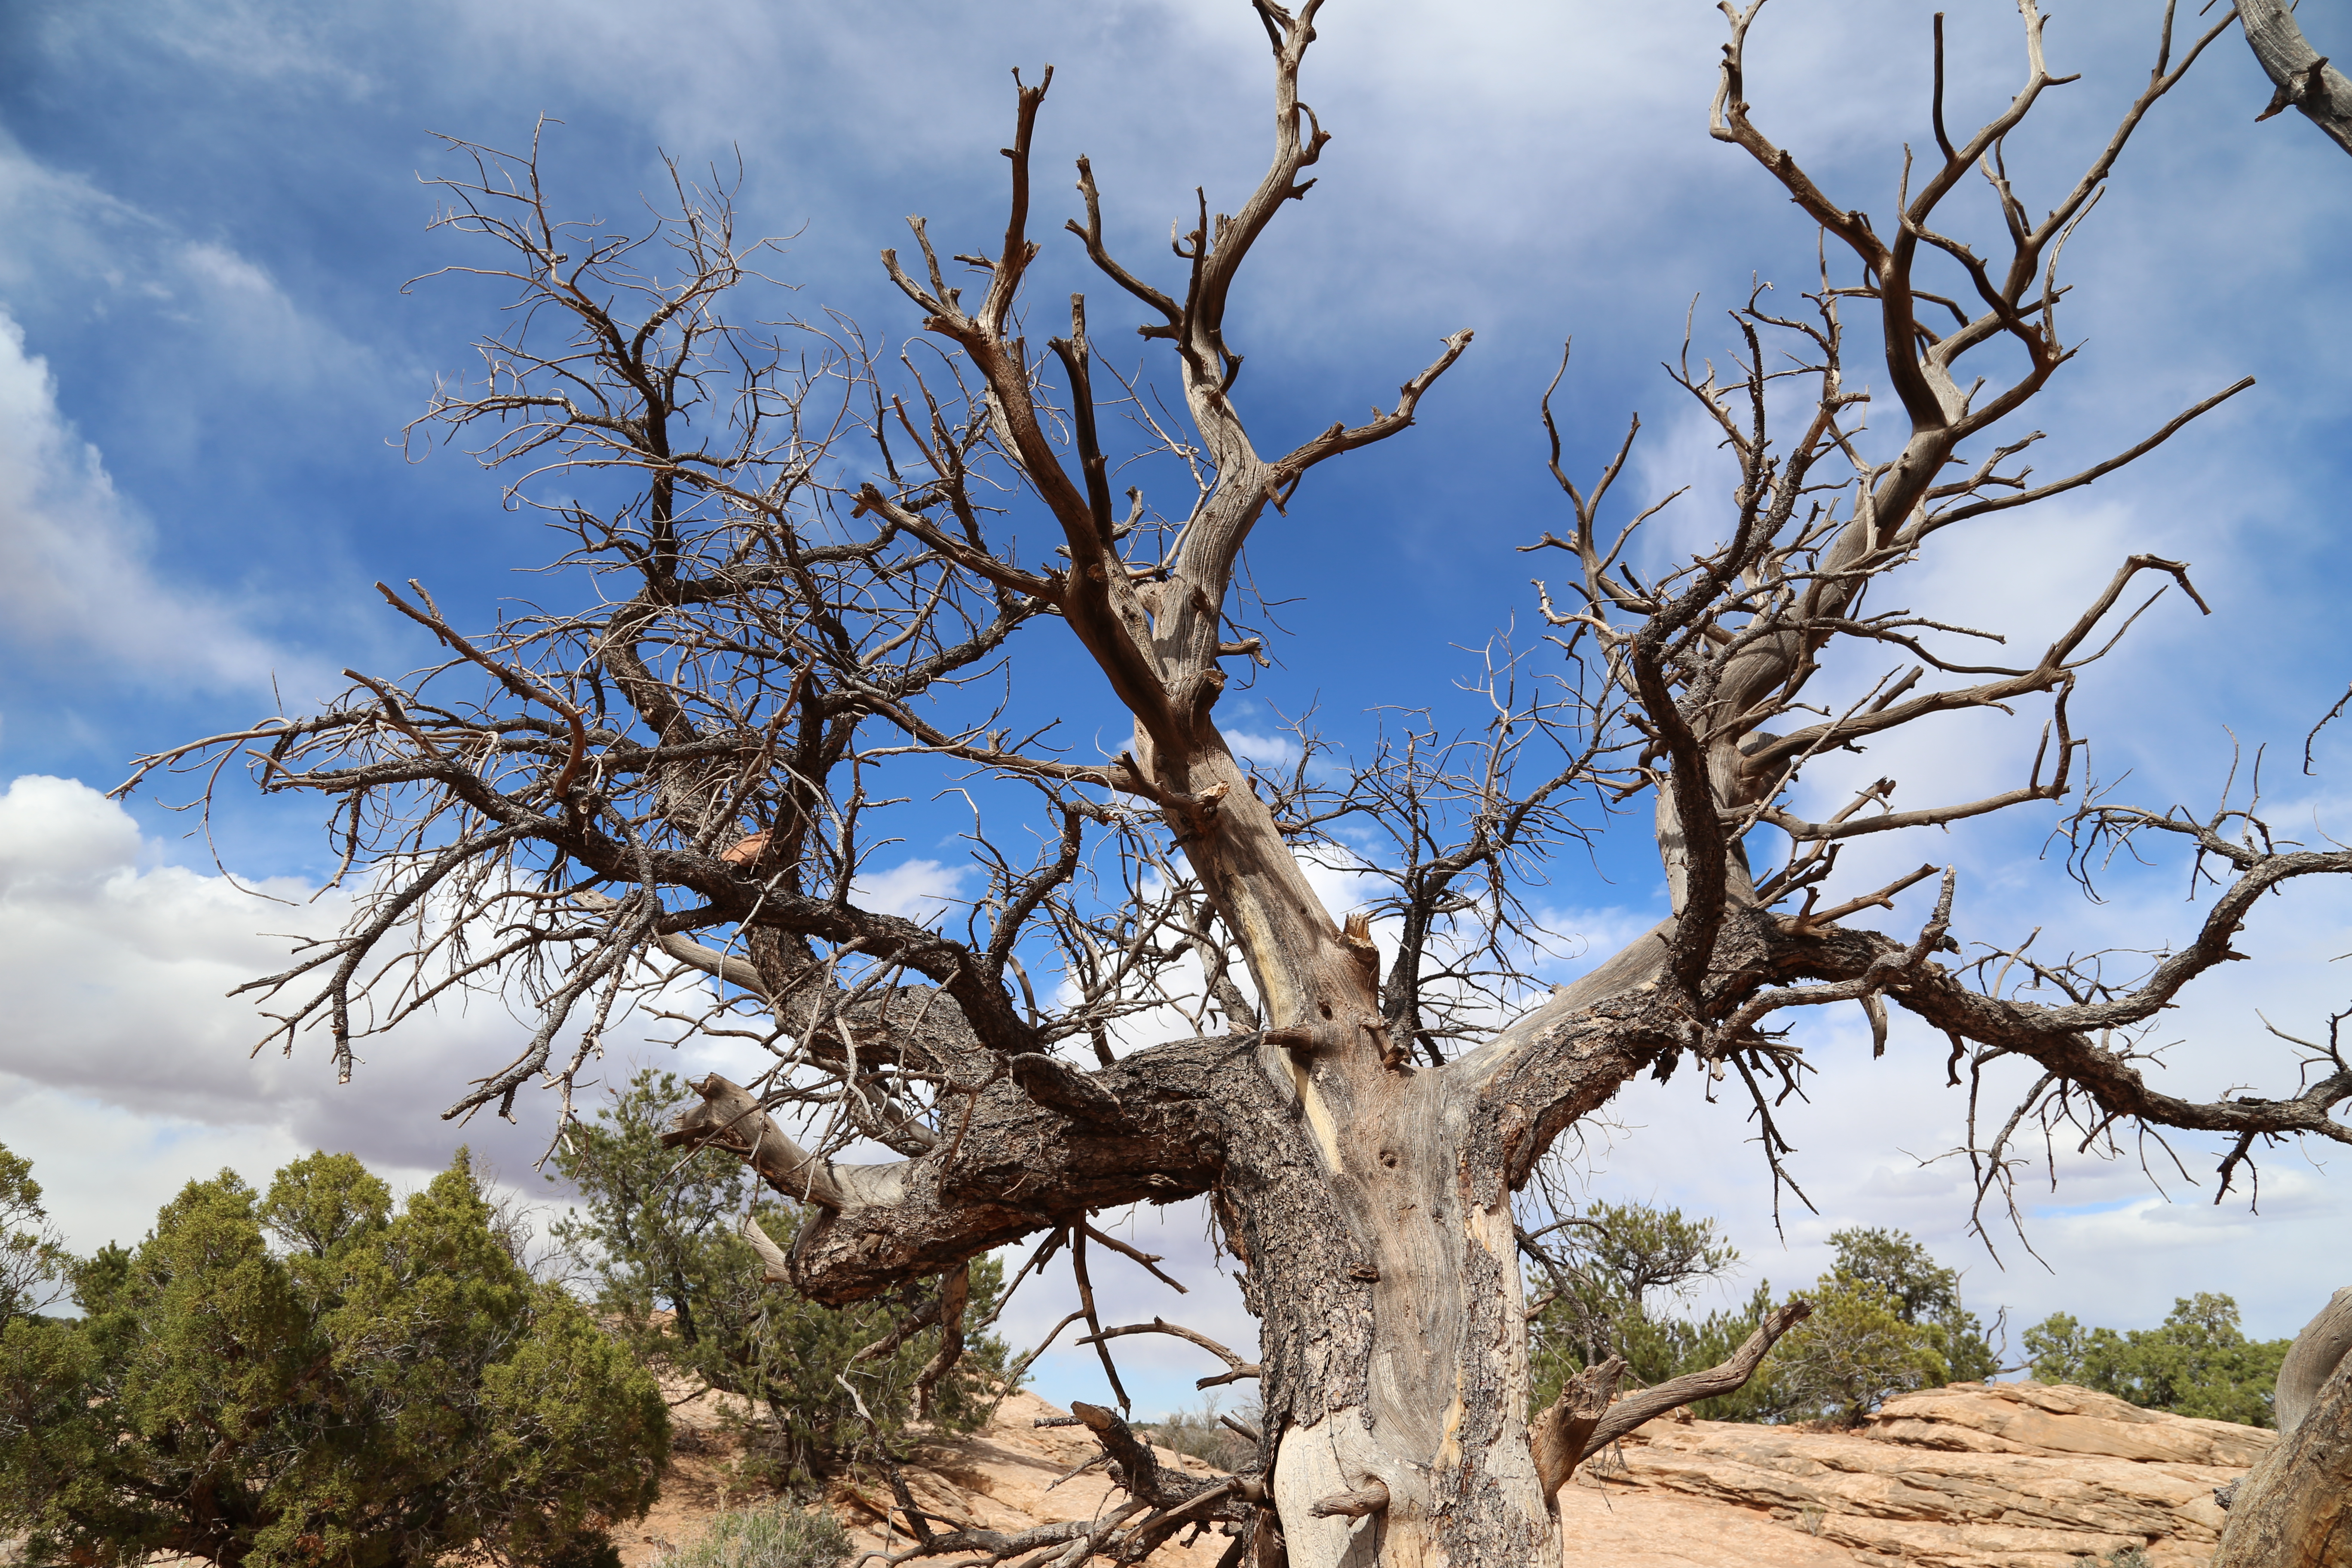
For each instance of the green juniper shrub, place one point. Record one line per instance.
(1887, 1319)
(2197, 1363)
(1620, 1269)
(31, 1262)
(660, 1237)
(1922, 1293)
(380, 1390)
(1854, 1353)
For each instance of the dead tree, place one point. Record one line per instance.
(796, 590)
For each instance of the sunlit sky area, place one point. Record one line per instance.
(211, 211)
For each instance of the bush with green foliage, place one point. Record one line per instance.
(1613, 1273)
(658, 1233)
(32, 1262)
(2198, 1362)
(1886, 1319)
(1851, 1355)
(377, 1390)
(1922, 1293)
(778, 1535)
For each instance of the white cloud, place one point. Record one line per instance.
(260, 41)
(125, 1069)
(917, 889)
(1270, 752)
(75, 575)
(2116, 1249)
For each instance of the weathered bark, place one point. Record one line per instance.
(2317, 1350)
(2305, 79)
(1563, 1432)
(2294, 1509)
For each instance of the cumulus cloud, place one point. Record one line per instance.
(916, 889)
(1272, 752)
(127, 1069)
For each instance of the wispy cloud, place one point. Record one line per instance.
(76, 577)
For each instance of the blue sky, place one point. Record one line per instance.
(208, 212)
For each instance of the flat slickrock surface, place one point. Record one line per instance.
(2018, 1475)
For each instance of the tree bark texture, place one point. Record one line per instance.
(2317, 1350)
(2294, 1509)
(2305, 79)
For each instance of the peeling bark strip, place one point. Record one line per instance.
(670, 797)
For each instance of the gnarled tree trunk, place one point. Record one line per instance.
(2294, 1509)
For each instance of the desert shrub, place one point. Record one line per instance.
(777, 1536)
(1887, 1319)
(32, 1262)
(2197, 1363)
(1617, 1274)
(1923, 1293)
(1200, 1432)
(658, 1238)
(377, 1389)
(1851, 1355)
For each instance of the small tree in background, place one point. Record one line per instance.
(660, 1234)
(384, 1391)
(1851, 1355)
(1921, 1292)
(2197, 1363)
(31, 1262)
(1887, 1319)
(1605, 1281)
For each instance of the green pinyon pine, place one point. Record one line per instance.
(305, 1376)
